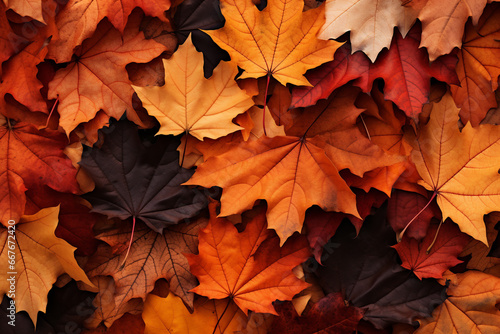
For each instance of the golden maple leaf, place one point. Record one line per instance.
(190, 103)
(279, 41)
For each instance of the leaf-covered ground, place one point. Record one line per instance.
(236, 166)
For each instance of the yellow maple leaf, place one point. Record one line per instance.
(190, 103)
(40, 258)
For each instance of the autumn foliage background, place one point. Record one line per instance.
(243, 167)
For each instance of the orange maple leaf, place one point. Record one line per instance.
(279, 41)
(470, 307)
(478, 68)
(249, 267)
(30, 157)
(78, 20)
(97, 79)
(19, 78)
(460, 167)
(443, 23)
(10, 43)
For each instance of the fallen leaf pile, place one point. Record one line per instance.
(240, 166)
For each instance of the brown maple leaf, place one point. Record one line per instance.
(10, 43)
(152, 256)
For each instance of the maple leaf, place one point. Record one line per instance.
(31, 8)
(19, 78)
(406, 72)
(329, 315)
(443, 23)
(431, 258)
(30, 157)
(278, 41)
(78, 20)
(10, 43)
(41, 258)
(169, 315)
(282, 169)
(470, 306)
(139, 181)
(192, 104)
(249, 267)
(461, 168)
(365, 269)
(478, 68)
(294, 173)
(97, 79)
(152, 256)
(371, 22)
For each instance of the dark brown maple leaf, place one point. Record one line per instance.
(135, 180)
(366, 270)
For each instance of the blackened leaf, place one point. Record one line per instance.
(365, 269)
(495, 247)
(192, 15)
(134, 180)
(67, 308)
(197, 14)
(328, 315)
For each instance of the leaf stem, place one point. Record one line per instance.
(51, 111)
(366, 128)
(129, 244)
(220, 318)
(265, 103)
(184, 150)
(435, 238)
(400, 235)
